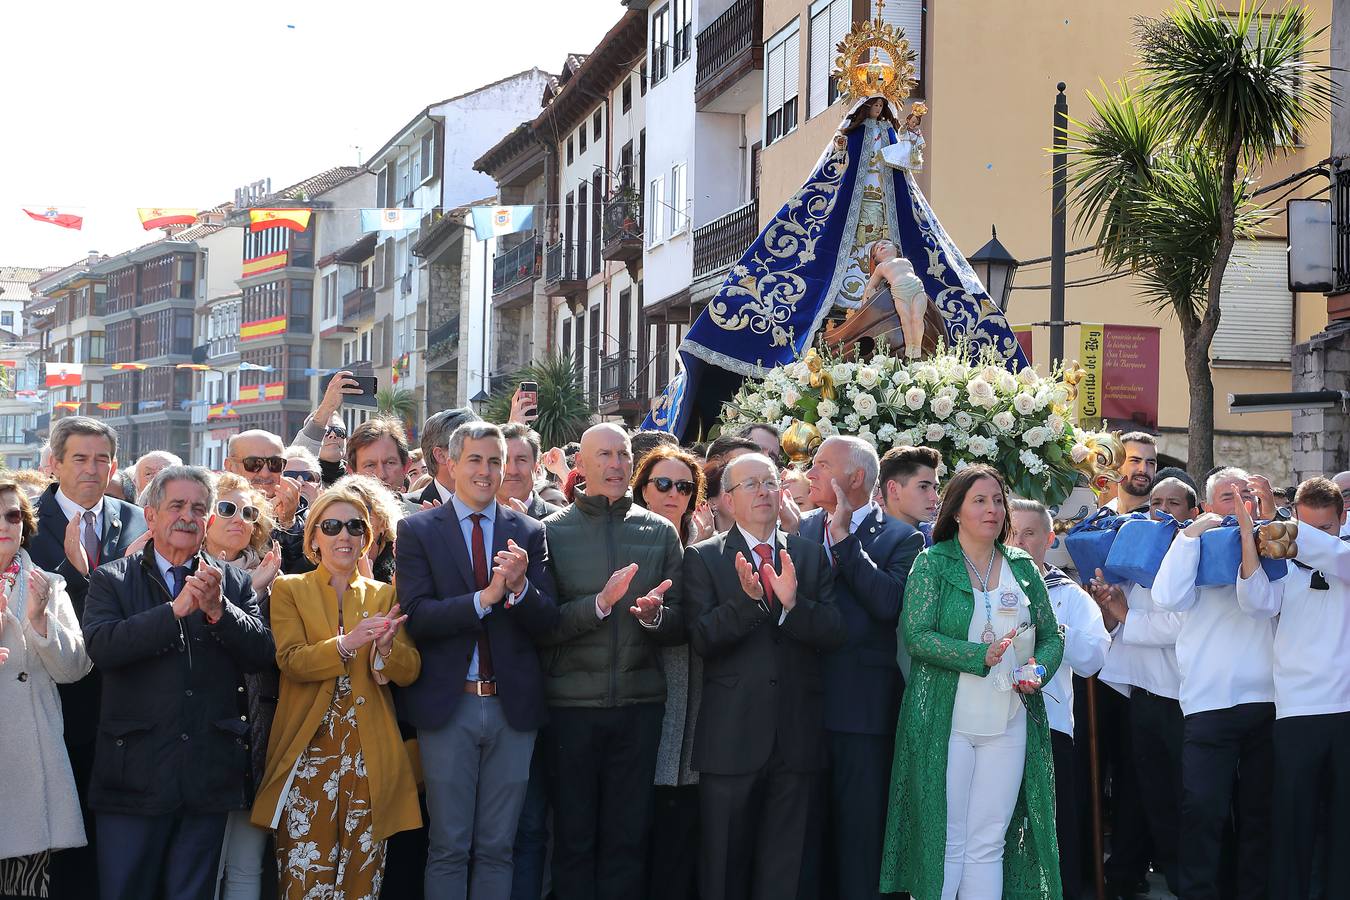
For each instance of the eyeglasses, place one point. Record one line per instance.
(665, 484)
(300, 475)
(14, 516)
(274, 464)
(336, 431)
(754, 484)
(331, 527)
(226, 509)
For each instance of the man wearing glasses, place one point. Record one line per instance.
(258, 457)
(759, 608)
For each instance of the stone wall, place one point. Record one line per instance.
(1268, 454)
(506, 341)
(1320, 440)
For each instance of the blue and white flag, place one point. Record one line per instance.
(253, 367)
(398, 218)
(495, 221)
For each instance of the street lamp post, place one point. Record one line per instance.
(1058, 215)
(996, 267)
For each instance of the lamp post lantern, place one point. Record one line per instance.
(996, 268)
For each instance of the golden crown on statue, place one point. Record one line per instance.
(860, 70)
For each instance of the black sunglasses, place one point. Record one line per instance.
(301, 475)
(226, 509)
(336, 431)
(14, 516)
(274, 464)
(665, 484)
(331, 527)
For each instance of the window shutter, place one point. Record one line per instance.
(841, 20)
(907, 15)
(773, 81)
(437, 146)
(818, 65)
(1258, 310)
(791, 65)
(390, 186)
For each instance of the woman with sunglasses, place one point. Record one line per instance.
(385, 513)
(41, 646)
(334, 792)
(669, 482)
(239, 532)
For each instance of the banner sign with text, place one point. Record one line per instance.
(1130, 376)
(1090, 388)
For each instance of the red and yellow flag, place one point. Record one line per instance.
(110, 406)
(129, 367)
(249, 393)
(64, 374)
(267, 263)
(294, 219)
(161, 217)
(193, 367)
(54, 216)
(9, 363)
(275, 390)
(263, 328)
(67, 404)
(221, 410)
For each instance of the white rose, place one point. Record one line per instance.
(915, 397)
(1044, 394)
(935, 433)
(941, 470)
(827, 409)
(1024, 403)
(942, 407)
(1079, 453)
(772, 411)
(991, 373)
(1055, 423)
(841, 373)
(964, 420)
(852, 421)
(1028, 376)
(901, 378)
(865, 406)
(978, 446)
(1060, 394)
(981, 393)
(926, 374)
(868, 376)
(960, 464)
(866, 434)
(1035, 437)
(886, 433)
(790, 397)
(1005, 421)
(803, 376)
(948, 391)
(826, 428)
(1007, 382)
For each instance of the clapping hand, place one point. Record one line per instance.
(789, 513)
(384, 643)
(648, 606)
(266, 571)
(205, 584)
(39, 592)
(749, 578)
(784, 583)
(509, 565)
(74, 548)
(704, 525)
(616, 587)
(365, 632)
(995, 652)
(1110, 599)
(842, 517)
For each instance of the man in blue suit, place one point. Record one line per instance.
(79, 529)
(871, 554)
(473, 578)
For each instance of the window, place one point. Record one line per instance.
(677, 207)
(656, 215)
(7, 320)
(682, 35)
(627, 94)
(595, 125)
(597, 228)
(583, 245)
(780, 83)
(830, 22)
(428, 155)
(1257, 309)
(642, 79)
(302, 306)
(908, 16)
(626, 166)
(415, 167)
(660, 38)
(570, 155)
(567, 337)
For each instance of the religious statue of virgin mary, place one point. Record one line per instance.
(858, 240)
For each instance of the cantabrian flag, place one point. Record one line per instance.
(294, 219)
(276, 390)
(53, 216)
(263, 328)
(64, 374)
(129, 367)
(161, 217)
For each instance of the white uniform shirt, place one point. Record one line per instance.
(1227, 658)
(1085, 646)
(1312, 632)
(1143, 652)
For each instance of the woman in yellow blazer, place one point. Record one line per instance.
(338, 781)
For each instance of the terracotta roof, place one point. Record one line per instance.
(586, 75)
(318, 184)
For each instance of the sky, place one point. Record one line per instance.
(110, 106)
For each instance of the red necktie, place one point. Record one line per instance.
(480, 577)
(765, 554)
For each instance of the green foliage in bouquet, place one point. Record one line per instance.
(962, 402)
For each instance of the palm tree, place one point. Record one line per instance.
(397, 403)
(564, 410)
(1157, 172)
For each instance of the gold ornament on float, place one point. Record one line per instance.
(875, 60)
(800, 441)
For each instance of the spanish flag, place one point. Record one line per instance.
(9, 363)
(193, 367)
(249, 393)
(263, 328)
(64, 374)
(268, 263)
(222, 410)
(129, 367)
(294, 219)
(67, 404)
(276, 390)
(161, 217)
(110, 406)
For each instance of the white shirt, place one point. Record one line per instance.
(443, 491)
(1085, 646)
(752, 542)
(74, 510)
(1312, 632)
(1143, 651)
(1226, 657)
(980, 708)
(859, 516)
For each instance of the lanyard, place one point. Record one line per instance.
(988, 634)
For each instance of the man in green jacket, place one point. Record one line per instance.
(617, 568)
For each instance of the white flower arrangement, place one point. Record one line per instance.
(965, 404)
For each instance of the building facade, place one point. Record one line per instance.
(20, 369)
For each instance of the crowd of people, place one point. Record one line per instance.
(347, 668)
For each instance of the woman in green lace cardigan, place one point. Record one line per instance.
(974, 610)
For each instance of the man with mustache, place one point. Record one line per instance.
(1137, 472)
(174, 632)
(79, 529)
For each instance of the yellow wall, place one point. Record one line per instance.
(992, 70)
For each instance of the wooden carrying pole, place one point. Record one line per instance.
(1095, 775)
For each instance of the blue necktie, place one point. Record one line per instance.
(178, 575)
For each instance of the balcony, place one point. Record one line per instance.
(441, 340)
(514, 272)
(729, 49)
(561, 278)
(723, 240)
(621, 391)
(622, 234)
(358, 306)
